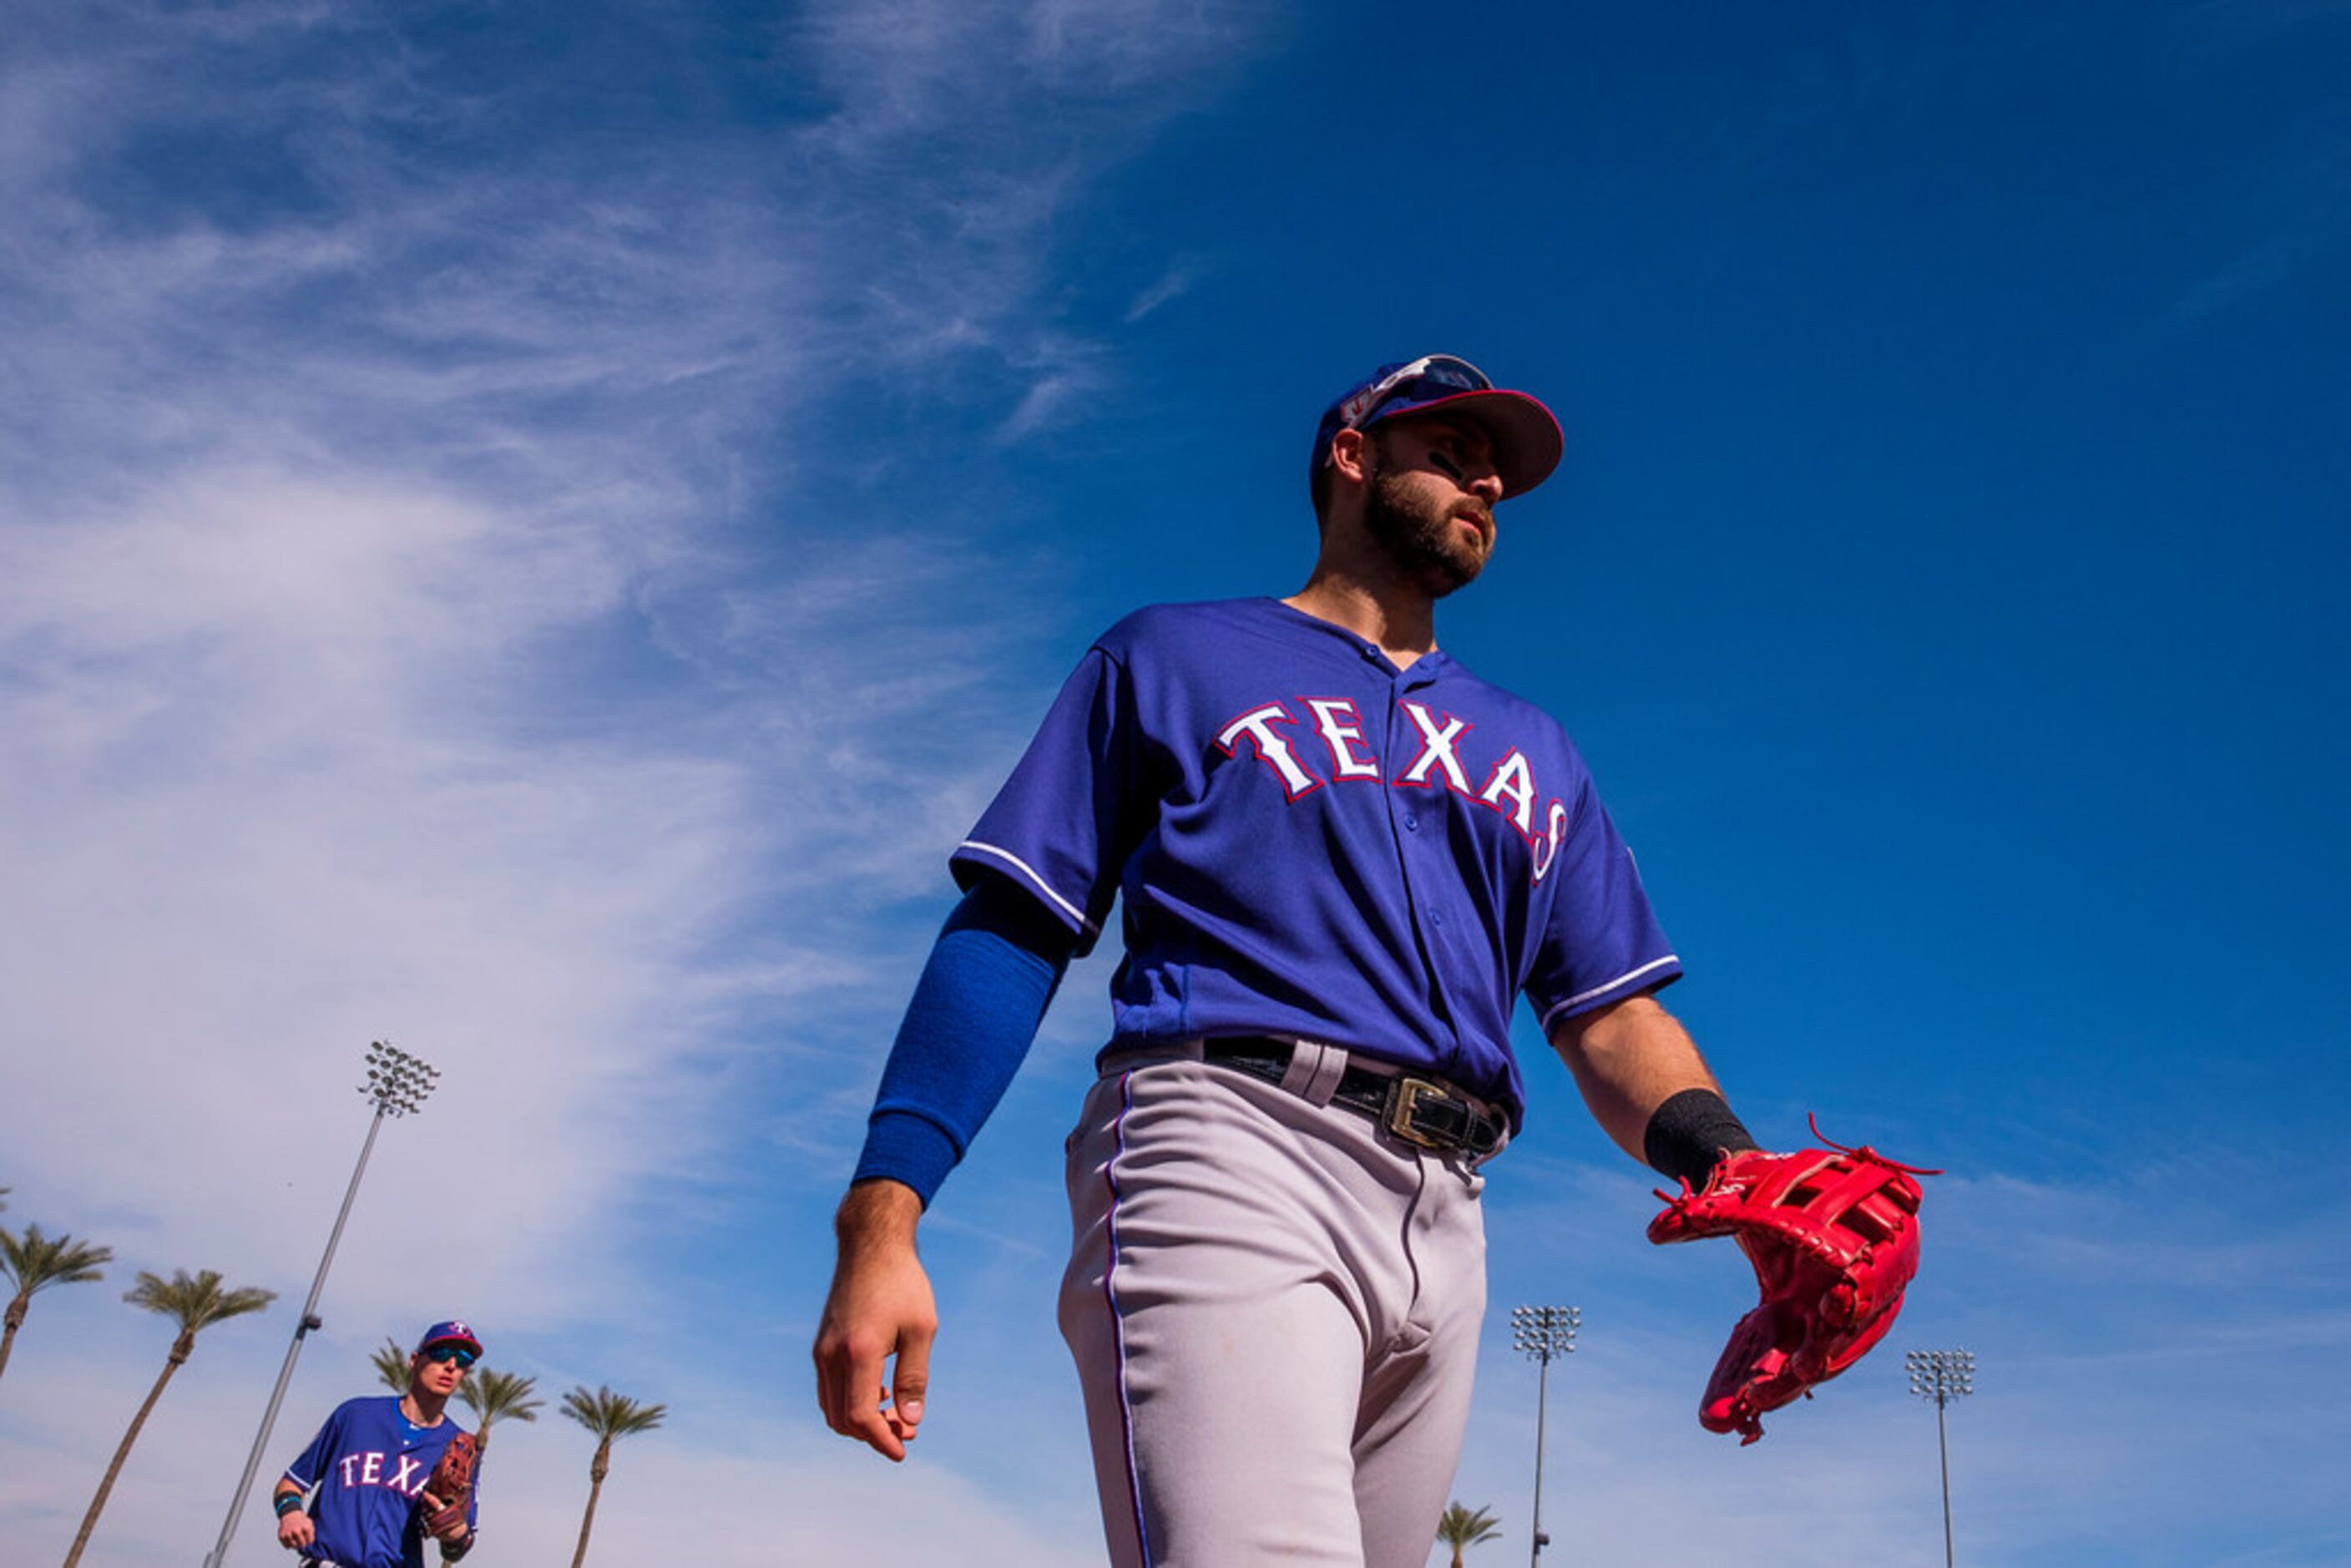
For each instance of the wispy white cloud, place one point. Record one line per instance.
(1172, 285)
(411, 623)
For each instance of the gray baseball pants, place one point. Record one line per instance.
(1274, 1307)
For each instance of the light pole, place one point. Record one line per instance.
(1942, 1375)
(1542, 1332)
(397, 1085)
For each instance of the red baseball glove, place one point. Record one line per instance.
(1834, 1235)
(451, 1487)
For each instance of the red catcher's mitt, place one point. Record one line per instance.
(452, 1485)
(1834, 1235)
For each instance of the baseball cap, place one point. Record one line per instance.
(1527, 438)
(450, 1332)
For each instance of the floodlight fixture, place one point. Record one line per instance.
(1542, 1332)
(1942, 1375)
(398, 1083)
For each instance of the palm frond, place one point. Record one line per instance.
(610, 1415)
(196, 1301)
(391, 1363)
(501, 1396)
(35, 1261)
(1466, 1527)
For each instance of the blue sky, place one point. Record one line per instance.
(530, 530)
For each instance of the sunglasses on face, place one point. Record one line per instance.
(456, 1352)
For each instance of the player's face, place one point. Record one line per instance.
(1431, 500)
(440, 1377)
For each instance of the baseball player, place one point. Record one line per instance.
(362, 1494)
(1342, 857)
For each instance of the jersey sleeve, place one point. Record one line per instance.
(1061, 827)
(309, 1467)
(1602, 942)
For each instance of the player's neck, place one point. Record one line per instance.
(1396, 618)
(423, 1407)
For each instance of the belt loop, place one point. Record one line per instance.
(1305, 1059)
(1322, 1081)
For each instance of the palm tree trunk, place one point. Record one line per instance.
(596, 1474)
(171, 1363)
(15, 1320)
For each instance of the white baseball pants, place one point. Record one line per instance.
(1274, 1308)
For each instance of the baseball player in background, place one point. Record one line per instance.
(361, 1495)
(1342, 858)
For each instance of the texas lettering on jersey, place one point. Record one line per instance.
(399, 1472)
(1509, 786)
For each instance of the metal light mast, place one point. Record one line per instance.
(1542, 1332)
(397, 1085)
(1942, 1375)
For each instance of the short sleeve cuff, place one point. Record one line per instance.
(973, 859)
(1648, 977)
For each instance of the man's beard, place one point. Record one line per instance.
(1422, 537)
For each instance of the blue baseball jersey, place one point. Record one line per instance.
(1307, 841)
(370, 1463)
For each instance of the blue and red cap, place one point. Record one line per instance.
(450, 1332)
(1527, 438)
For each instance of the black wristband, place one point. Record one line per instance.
(288, 1503)
(1690, 1132)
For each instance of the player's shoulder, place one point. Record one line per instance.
(448, 1432)
(1499, 711)
(1195, 626)
(365, 1413)
(1155, 624)
(1497, 698)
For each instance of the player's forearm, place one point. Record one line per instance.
(974, 1014)
(878, 1215)
(1627, 1060)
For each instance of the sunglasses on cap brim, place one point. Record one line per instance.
(1430, 370)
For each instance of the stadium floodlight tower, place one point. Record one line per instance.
(1542, 1332)
(397, 1085)
(1942, 1375)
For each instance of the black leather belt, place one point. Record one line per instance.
(1428, 1112)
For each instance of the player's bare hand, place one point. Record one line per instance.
(296, 1531)
(880, 1309)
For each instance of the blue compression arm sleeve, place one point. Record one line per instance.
(972, 1019)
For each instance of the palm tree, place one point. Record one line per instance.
(1463, 1528)
(195, 1304)
(498, 1397)
(609, 1416)
(391, 1363)
(35, 1263)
